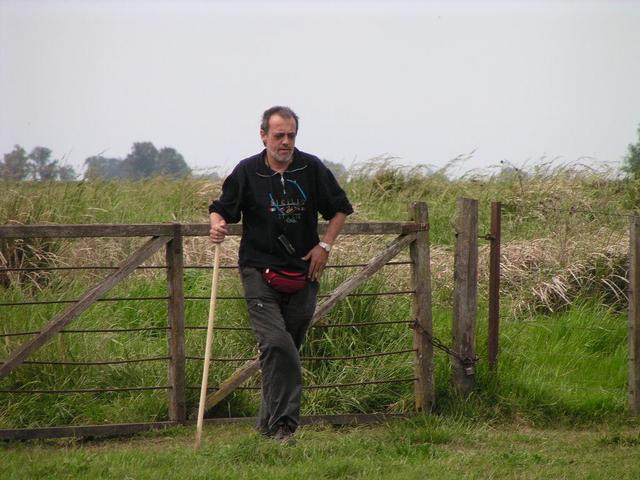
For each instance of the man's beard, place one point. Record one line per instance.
(278, 157)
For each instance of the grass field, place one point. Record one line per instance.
(556, 407)
(422, 448)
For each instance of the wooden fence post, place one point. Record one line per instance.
(419, 251)
(634, 316)
(175, 310)
(465, 294)
(494, 286)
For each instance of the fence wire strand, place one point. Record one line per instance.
(94, 362)
(186, 297)
(324, 386)
(161, 267)
(200, 327)
(86, 390)
(571, 210)
(310, 358)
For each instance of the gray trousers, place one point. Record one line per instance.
(279, 321)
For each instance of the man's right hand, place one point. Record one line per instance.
(218, 231)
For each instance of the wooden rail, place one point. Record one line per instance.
(125, 429)
(187, 230)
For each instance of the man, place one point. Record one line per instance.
(278, 193)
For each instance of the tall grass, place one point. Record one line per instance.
(563, 333)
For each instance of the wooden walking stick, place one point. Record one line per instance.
(207, 350)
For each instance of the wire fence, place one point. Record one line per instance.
(559, 268)
(194, 328)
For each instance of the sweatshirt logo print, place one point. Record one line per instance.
(289, 208)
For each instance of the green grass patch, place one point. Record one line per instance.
(423, 447)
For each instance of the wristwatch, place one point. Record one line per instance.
(325, 246)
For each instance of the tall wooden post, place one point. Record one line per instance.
(465, 294)
(421, 309)
(175, 285)
(494, 286)
(634, 316)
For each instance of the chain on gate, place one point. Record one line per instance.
(466, 361)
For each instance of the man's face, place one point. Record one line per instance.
(280, 139)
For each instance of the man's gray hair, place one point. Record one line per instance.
(284, 112)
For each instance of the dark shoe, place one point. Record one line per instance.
(284, 435)
(264, 433)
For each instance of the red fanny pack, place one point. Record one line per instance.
(283, 281)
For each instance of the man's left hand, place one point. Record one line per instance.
(317, 258)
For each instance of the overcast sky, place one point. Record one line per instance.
(422, 81)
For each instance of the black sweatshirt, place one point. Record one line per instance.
(273, 204)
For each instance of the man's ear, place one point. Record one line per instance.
(263, 137)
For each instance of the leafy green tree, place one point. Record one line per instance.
(67, 173)
(102, 167)
(141, 162)
(632, 159)
(171, 163)
(15, 165)
(41, 166)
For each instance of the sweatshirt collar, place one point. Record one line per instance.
(263, 168)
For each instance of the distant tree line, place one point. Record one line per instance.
(144, 161)
(37, 165)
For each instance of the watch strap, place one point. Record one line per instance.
(325, 246)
